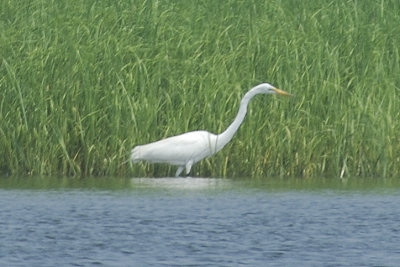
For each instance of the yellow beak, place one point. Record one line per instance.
(281, 92)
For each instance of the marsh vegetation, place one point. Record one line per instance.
(82, 82)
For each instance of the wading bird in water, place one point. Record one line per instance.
(186, 149)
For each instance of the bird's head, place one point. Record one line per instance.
(266, 88)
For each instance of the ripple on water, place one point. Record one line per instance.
(187, 183)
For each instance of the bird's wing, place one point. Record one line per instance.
(178, 150)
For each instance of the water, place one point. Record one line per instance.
(197, 222)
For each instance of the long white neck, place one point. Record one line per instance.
(224, 137)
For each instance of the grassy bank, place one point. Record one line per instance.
(82, 82)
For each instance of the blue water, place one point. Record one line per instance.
(199, 222)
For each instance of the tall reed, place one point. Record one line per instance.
(84, 81)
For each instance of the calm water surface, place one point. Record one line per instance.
(197, 222)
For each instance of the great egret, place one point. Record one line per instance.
(186, 149)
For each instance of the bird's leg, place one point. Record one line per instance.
(178, 171)
(189, 166)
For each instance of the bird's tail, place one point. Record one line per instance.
(135, 155)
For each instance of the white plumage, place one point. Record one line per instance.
(186, 149)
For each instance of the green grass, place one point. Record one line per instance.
(82, 82)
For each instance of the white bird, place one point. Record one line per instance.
(186, 149)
